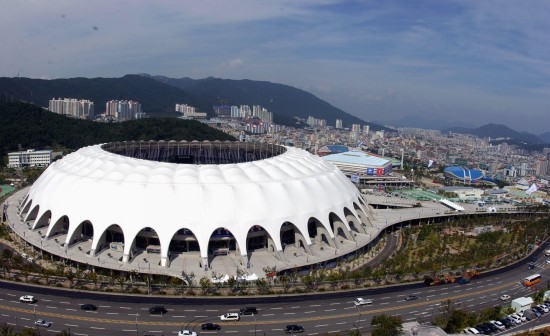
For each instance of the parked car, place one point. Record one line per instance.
(491, 327)
(88, 306)
(411, 297)
(472, 331)
(43, 323)
(27, 299)
(483, 329)
(362, 302)
(294, 329)
(158, 310)
(210, 326)
(505, 297)
(186, 332)
(499, 325)
(248, 311)
(230, 317)
(522, 316)
(506, 322)
(515, 318)
(544, 308)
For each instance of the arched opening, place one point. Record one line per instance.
(353, 222)
(60, 227)
(112, 238)
(43, 221)
(146, 246)
(337, 226)
(184, 240)
(221, 242)
(258, 239)
(312, 225)
(292, 237)
(83, 232)
(26, 208)
(34, 212)
(361, 201)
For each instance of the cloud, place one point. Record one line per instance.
(234, 62)
(449, 58)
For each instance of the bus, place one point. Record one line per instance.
(531, 280)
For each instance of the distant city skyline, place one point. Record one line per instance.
(471, 62)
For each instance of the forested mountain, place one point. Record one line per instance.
(283, 100)
(158, 95)
(33, 127)
(156, 98)
(495, 131)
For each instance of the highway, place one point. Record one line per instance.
(319, 314)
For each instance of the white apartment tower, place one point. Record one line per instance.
(122, 109)
(72, 107)
(339, 123)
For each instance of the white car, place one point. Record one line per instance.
(27, 299)
(472, 331)
(186, 332)
(230, 317)
(521, 316)
(505, 297)
(544, 308)
(498, 324)
(515, 318)
(362, 302)
(43, 323)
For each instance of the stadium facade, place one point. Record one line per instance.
(205, 199)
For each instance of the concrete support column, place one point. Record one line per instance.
(125, 257)
(205, 264)
(246, 262)
(164, 261)
(280, 255)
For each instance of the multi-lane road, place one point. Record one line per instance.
(319, 314)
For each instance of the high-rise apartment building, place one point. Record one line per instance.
(339, 123)
(72, 107)
(122, 109)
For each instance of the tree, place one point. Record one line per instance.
(263, 286)
(386, 325)
(205, 284)
(94, 278)
(70, 275)
(121, 280)
(6, 330)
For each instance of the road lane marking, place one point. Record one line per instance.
(166, 322)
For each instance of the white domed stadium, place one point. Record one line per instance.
(121, 202)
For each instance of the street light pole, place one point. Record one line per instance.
(359, 320)
(137, 331)
(255, 323)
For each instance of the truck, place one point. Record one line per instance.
(462, 279)
(467, 276)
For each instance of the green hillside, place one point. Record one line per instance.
(156, 98)
(33, 127)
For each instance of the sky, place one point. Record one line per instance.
(473, 62)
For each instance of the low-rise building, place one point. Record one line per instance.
(30, 158)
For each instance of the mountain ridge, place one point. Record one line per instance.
(498, 132)
(159, 94)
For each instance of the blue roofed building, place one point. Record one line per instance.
(466, 175)
(360, 164)
(332, 149)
